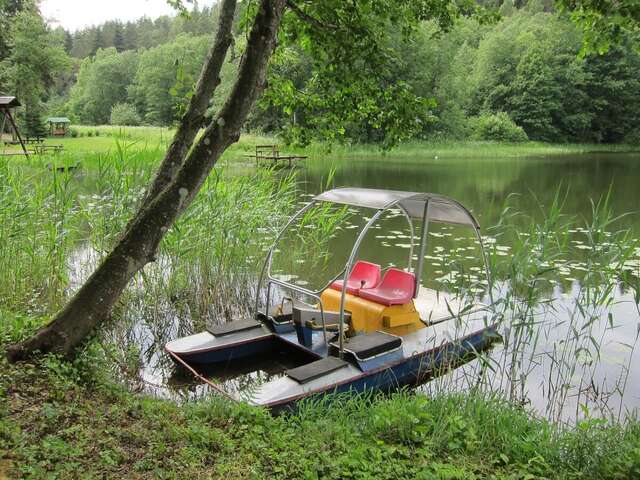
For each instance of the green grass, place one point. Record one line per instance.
(145, 138)
(92, 140)
(470, 149)
(61, 420)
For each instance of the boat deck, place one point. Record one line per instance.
(414, 346)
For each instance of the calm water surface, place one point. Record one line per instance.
(483, 185)
(596, 377)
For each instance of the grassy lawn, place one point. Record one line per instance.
(105, 138)
(62, 420)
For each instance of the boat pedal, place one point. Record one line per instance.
(233, 327)
(316, 369)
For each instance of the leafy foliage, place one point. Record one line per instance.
(352, 85)
(8, 10)
(103, 81)
(528, 66)
(33, 122)
(124, 114)
(603, 22)
(497, 127)
(165, 77)
(36, 58)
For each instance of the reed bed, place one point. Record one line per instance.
(57, 226)
(567, 304)
(566, 286)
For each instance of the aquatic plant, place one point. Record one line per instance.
(564, 292)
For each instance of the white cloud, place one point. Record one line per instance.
(77, 14)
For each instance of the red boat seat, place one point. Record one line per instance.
(363, 275)
(397, 288)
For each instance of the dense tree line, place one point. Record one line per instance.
(523, 73)
(32, 59)
(521, 76)
(141, 34)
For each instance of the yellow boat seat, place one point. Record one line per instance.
(369, 316)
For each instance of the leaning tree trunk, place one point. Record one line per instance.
(138, 246)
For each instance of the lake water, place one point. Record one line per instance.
(483, 184)
(578, 358)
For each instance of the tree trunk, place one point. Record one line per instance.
(93, 302)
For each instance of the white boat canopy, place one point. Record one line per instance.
(441, 209)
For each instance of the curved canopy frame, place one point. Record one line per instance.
(429, 207)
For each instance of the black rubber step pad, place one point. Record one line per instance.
(233, 327)
(316, 369)
(370, 344)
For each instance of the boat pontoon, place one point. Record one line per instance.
(365, 329)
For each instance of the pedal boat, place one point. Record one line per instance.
(364, 330)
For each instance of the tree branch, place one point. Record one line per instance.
(305, 17)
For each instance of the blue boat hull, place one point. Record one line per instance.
(230, 352)
(410, 372)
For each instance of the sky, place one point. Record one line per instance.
(77, 14)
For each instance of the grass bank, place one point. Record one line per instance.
(102, 138)
(61, 420)
(471, 149)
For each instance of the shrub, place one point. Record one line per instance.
(498, 127)
(633, 137)
(73, 132)
(124, 114)
(34, 126)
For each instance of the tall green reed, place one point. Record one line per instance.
(560, 291)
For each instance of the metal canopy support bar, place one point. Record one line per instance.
(266, 268)
(411, 232)
(347, 270)
(423, 246)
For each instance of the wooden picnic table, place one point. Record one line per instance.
(41, 149)
(271, 153)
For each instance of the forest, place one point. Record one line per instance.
(516, 74)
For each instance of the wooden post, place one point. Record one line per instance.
(7, 113)
(4, 120)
